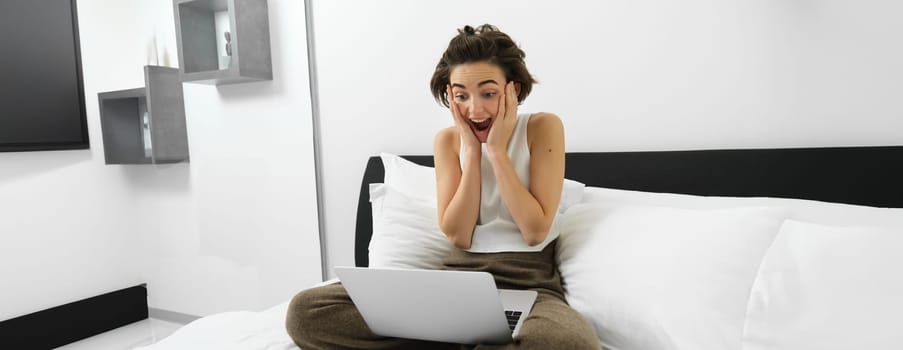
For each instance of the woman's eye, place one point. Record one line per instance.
(489, 94)
(460, 97)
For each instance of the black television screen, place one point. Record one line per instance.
(42, 100)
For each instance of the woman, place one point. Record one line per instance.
(499, 177)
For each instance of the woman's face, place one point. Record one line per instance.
(476, 89)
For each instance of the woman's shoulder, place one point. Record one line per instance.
(447, 138)
(544, 123)
(544, 119)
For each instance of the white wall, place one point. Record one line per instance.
(65, 226)
(236, 228)
(623, 75)
(66, 220)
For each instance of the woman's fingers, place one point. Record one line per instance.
(451, 103)
(508, 102)
(459, 119)
(449, 97)
(503, 106)
(511, 95)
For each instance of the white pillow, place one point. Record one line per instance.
(409, 178)
(415, 180)
(803, 210)
(571, 193)
(663, 278)
(406, 232)
(824, 288)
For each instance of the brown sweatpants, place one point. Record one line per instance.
(325, 317)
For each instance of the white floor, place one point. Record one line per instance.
(127, 337)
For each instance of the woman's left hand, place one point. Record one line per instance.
(505, 120)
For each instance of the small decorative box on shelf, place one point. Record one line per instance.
(145, 125)
(223, 41)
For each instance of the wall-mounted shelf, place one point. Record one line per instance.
(200, 33)
(145, 125)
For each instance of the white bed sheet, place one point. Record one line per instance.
(234, 330)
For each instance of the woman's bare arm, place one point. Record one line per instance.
(457, 190)
(534, 209)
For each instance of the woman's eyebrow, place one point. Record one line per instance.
(480, 84)
(487, 82)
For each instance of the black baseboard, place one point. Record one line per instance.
(64, 324)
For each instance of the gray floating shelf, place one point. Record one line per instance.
(200, 27)
(161, 137)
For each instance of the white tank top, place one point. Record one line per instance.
(495, 230)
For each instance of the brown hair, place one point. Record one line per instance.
(485, 43)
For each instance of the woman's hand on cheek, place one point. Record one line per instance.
(471, 143)
(505, 120)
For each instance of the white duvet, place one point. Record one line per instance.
(232, 330)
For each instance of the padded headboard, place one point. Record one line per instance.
(870, 176)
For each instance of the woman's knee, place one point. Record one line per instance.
(560, 338)
(299, 313)
(579, 338)
(314, 313)
(557, 325)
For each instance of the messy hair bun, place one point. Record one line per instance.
(485, 43)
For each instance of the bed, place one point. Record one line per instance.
(721, 233)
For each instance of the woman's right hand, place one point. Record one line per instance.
(471, 143)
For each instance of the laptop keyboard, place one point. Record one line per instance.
(512, 316)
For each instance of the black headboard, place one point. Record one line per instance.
(870, 176)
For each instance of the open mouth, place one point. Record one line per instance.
(482, 124)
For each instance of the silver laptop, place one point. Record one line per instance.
(446, 306)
